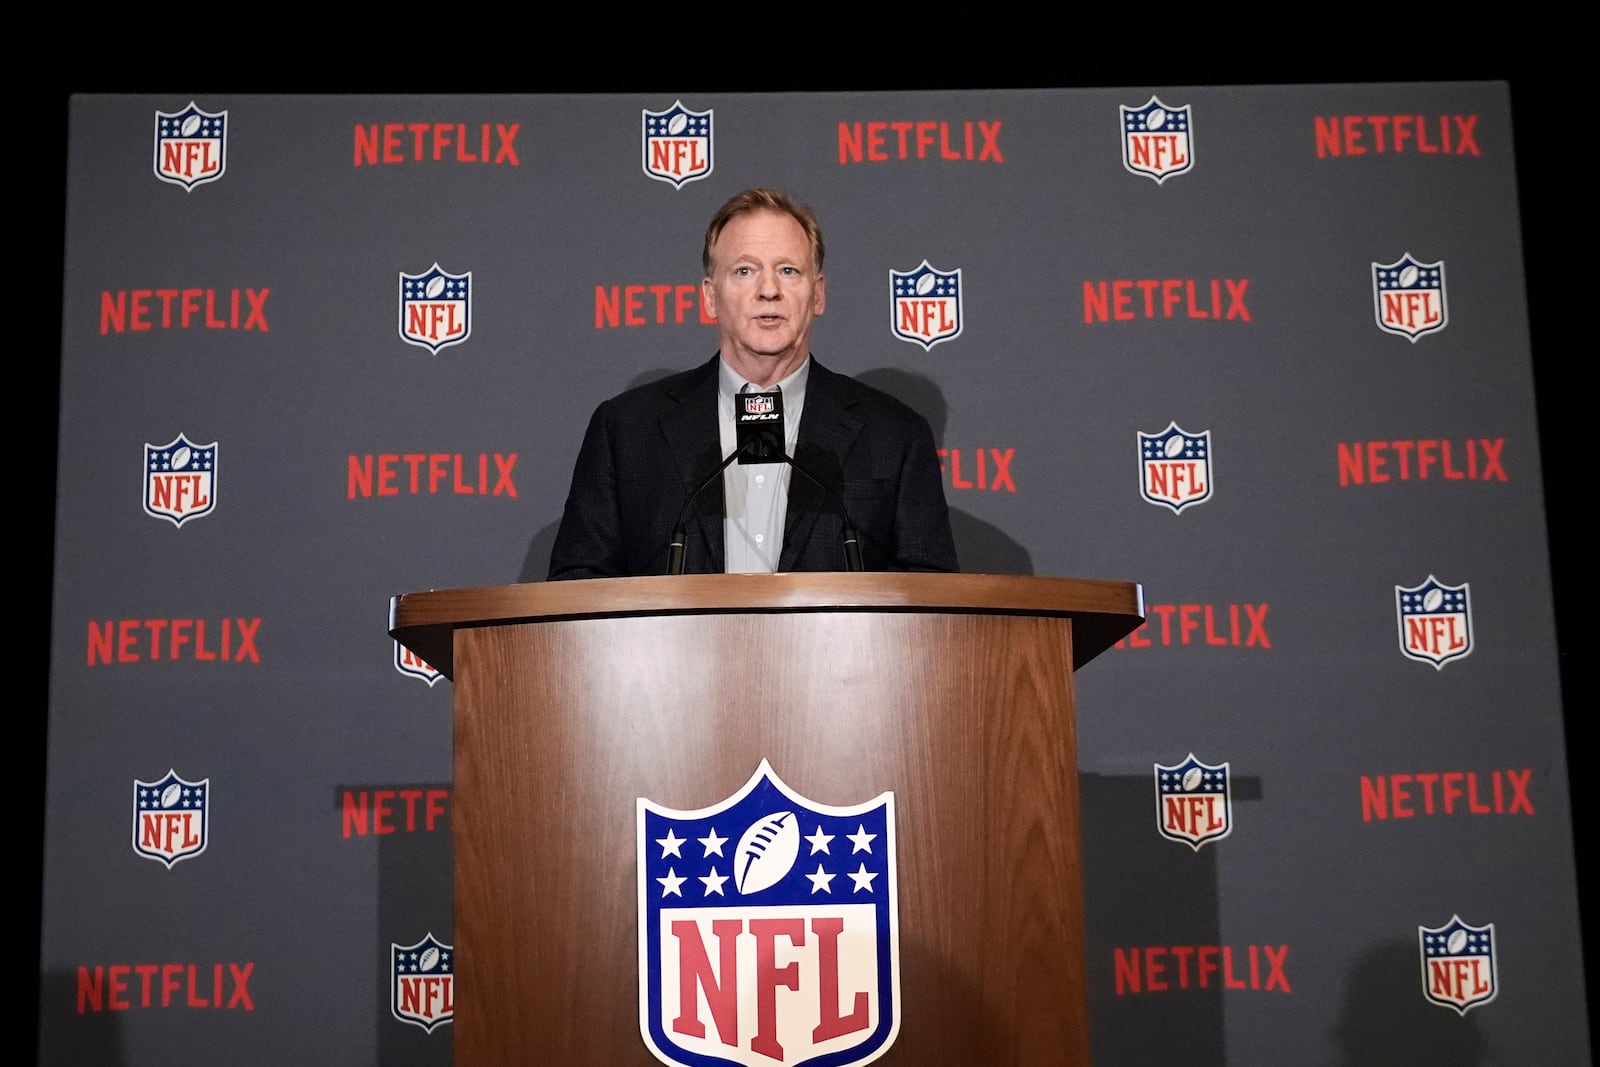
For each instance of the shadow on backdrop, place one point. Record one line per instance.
(981, 547)
(1385, 1021)
(68, 1037)
(415, 896)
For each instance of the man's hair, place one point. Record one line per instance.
(764, 199)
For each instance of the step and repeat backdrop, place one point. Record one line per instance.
(1262, 349)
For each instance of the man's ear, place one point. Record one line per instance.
(708, 299)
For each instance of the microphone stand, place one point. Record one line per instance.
(852, 544)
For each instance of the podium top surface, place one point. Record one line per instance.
(1102, 612)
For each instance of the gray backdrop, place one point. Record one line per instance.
(293, 907)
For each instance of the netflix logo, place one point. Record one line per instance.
(436, 142)
(1430, 135)
(1430, 793)
(978, 468)
(394, 810)
(884, 142)
(125, 986)
(1216, 625)
(1163, 969)
(183, 309)
(648, 305)
(1474, 459)
(430, 474)
(1130, 300)
(227, 640)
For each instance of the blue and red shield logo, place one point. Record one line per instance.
(925, 305)
(1175, 467)
(768, 930)
(677, 144)
(1435, 621)
(1458, 964)
(1157, 140)
(170, 817)
(412, 665)
(435, 308)
(1408, 297)
(422, 982)
(180, 480)
(1193, 802)
(191, 146)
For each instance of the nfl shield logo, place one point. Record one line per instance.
(409, 663)
(768, 930)
(191, 146)
(1175, 467)
(1157, 140)
(1435, 621)
(422, 983)
(925, 305)
(757, 403)
(1193, 804)
(435, 308)
(169, 818)
(180, 480)
(1408, 297)
(1458, 967)
(677, 144)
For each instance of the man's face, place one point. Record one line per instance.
(765, 293)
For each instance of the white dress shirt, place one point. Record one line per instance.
(757, 494)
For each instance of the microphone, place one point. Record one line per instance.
(758, 424)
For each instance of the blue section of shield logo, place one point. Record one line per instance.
(768, 930)
(435, 308)
(1435, 621)
(677, 144)
(1157, 140)
(180, 480)
(191, 146)
(422, 982)
(1175, 467)
(1408, 297)
(1458, 964)
(1193, 802)
(170, 817)
(925, 305)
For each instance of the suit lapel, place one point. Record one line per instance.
(827, 430)
(689, 423)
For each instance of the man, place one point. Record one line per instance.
(648, 450)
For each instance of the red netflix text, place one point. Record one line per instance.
(183, 309)
(881, 142)
(1160, 969)
(1356, 135)
(1127, 300)
(229, 640)
(124, 986)
(648, 305)
(398, 810)
(436, 142)
(431, 473)
(1474, 460)
(1226, 625)
(1405, 796)
(978, 468)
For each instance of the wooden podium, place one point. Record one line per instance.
(954, 691)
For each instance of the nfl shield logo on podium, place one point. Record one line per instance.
(768, 930)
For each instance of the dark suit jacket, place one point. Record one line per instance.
(647, 449)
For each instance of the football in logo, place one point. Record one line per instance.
(767, 852)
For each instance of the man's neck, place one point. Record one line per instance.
(764, 372)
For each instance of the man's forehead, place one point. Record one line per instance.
(763, 231)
